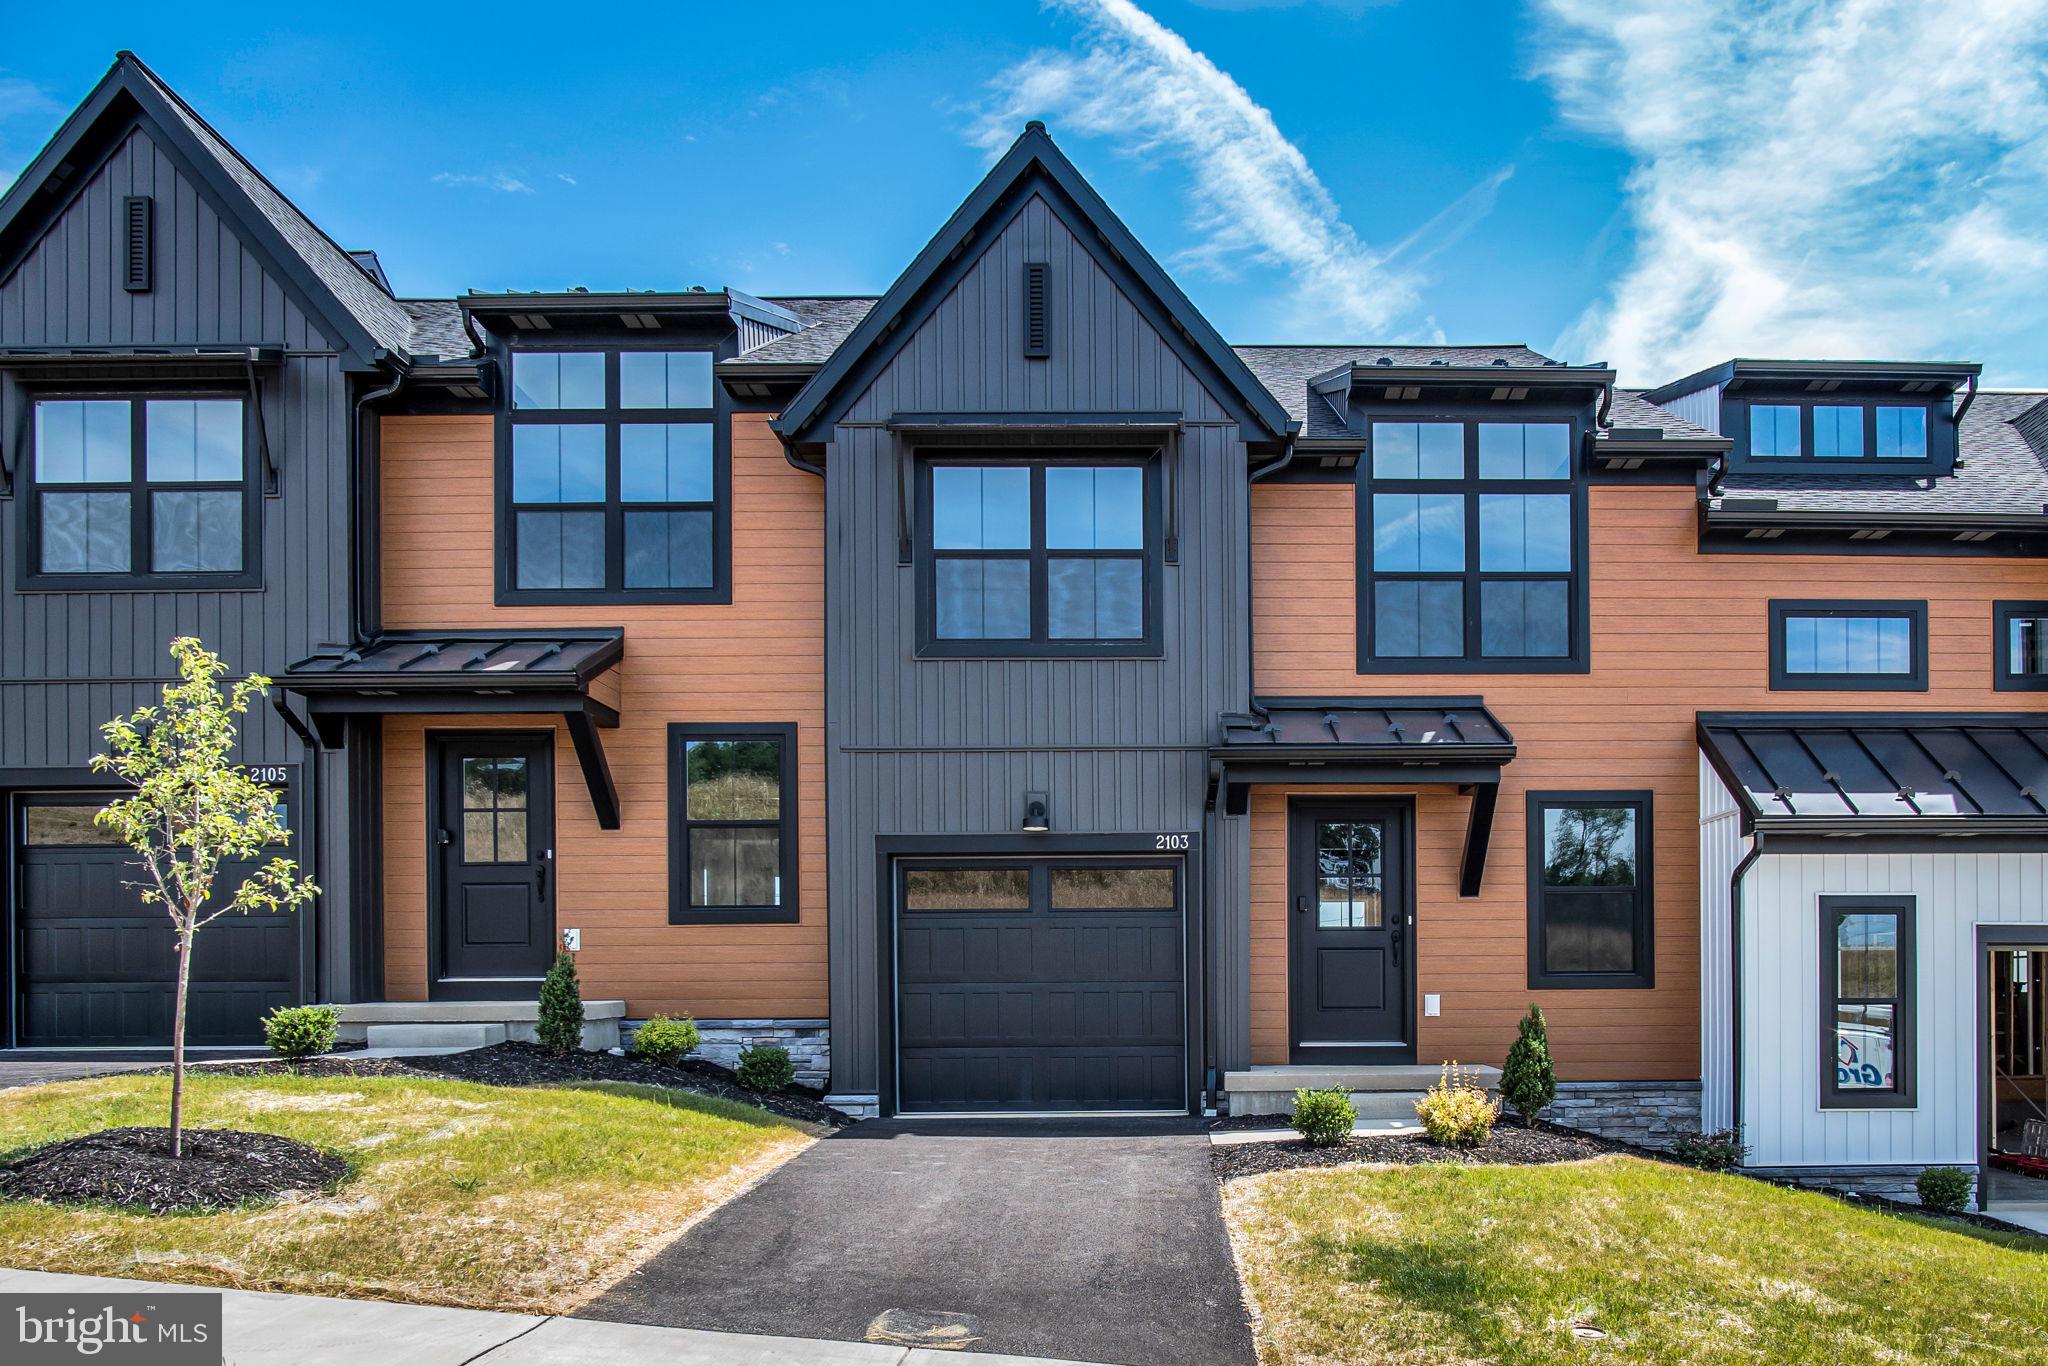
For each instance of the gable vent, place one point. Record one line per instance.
(141, 242)
(1037, 330)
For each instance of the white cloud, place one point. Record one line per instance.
(1866, 178)
(496, 180)
(1254, 198)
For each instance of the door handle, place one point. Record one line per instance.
(1397, 945)
(1301, 905)
(540, 880)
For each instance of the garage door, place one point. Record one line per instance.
(1040, 986)
(98, 967)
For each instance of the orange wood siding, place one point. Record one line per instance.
(1674, 632)
(758, 659)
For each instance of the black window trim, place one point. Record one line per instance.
(1578, 657)
(2003, 679)
(611, 417)
(1910, 609)
(1644, 975)
(1940, 435)
(680, 911)
(1905, 1020)
(30, 577)
(1040, 645)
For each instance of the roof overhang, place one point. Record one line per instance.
(1825, 376)
(472, 673)
(1477, 383)
(1759, 520)
(633, 310)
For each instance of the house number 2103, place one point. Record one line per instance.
(1170, 841)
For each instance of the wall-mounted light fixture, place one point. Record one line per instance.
(1037, 816)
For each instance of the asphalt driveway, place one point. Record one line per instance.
(1093, 1240)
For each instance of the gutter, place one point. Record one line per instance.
(358, 489)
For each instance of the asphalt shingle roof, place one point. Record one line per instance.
(827, 322)
(1631, 409)
(437, 328)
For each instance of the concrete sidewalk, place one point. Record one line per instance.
(263, 1329)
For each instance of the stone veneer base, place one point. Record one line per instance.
(1893, 1183)
(809, 1043)
(1649, 1114)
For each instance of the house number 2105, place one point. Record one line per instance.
(1170, 841)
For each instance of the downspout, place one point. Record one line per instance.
(1212, 1079)
(1756, 849)
(1969, 397)
(358, 501)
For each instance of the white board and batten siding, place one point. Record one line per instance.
(1782, 1121)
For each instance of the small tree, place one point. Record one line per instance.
(194, 809)
(559, 1025)
(1527, 1080)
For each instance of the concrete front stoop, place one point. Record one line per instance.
(1380, 1093)
(454, 1025)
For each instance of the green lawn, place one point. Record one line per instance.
(509, 1198)
(1503, 1264)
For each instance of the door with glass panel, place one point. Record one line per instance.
(1349, 930)
(491, 836)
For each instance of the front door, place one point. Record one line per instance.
(1350, 920)
(491, 833)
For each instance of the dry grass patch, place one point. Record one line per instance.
(1616, 1260)
(530, 1198)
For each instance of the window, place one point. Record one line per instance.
(151, 489)
(1866, 1003)
(615, 476)
(2019, 646)
(1051, 557)
(1471, 538)
(1774, 432)
(1782, 429)
(732, 818)
(1590, 908)
(1849, 646)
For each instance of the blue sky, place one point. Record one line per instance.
(1655, 186)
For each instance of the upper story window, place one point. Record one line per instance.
(148, 490)
(1049, 557)
(1830, 430)
(2019, 646)
(1849, 646)
(614, 479)
(1472, 546)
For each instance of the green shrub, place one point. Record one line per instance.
(1456, 1112)
(1324, 1118)
(1527, 1080)
(559, 1027)
(1714, 1152)
(1947, 1189)
(297, 1032)
(765, 1067)
(666, 1038)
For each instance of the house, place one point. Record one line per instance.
(1013, 696)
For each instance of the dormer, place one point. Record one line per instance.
(1805, 417)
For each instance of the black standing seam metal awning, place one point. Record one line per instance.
(1871, 774)
(1377, 740)
(473, 672)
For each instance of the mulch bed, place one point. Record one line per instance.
(134, 1168)
(1510, 1146)
(525, 1064)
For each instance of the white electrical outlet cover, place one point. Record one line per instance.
(1432, 1005)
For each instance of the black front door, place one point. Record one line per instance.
(491, 832)
(1350, 923)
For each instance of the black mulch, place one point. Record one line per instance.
(134, 1168)
(525, 1064)
(1510, 1146)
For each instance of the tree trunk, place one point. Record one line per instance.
(178, 1044)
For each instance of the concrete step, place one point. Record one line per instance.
(1378, 1093)
(449, 1034)
(438, 1012)
(1374, 1106)
(466, 1024)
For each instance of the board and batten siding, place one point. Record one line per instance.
(759, 658)
(950, 746)
(1674, 632)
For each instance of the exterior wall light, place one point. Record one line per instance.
(1036, 819)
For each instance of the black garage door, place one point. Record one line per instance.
(98, 967)
(1040, 986)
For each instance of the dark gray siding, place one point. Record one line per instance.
(949, 747)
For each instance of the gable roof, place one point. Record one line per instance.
(1032, 155)
(364, 317)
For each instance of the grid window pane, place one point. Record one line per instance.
(1525, 532)
(1525, 450)
(1090, 599)
(2027, 646)
(1589, 846)
(1837, 431)
(983, 599)
(193, 441)
(735, 865)
(1866, 1048)
(557, 464)
(1418, 450)
(1848, 645)
(560, 549)
(1902, 433)
(1094, 507)
(665, 462)
(1867, 956)
(668, 549)
(1589, 931)
(1524, 619)
(980, 507)
(1349, 872)
(1418, 532)
(1774, 431)
(558, 379)
(664, 379)
(83, 442)
(195, 531)
(967, 889)
(733, 780)
(85, 533)
(1112, 889)
(1418, 619)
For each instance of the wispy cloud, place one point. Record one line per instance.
(495, 180)
(1866, 178)
(1254, 198)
